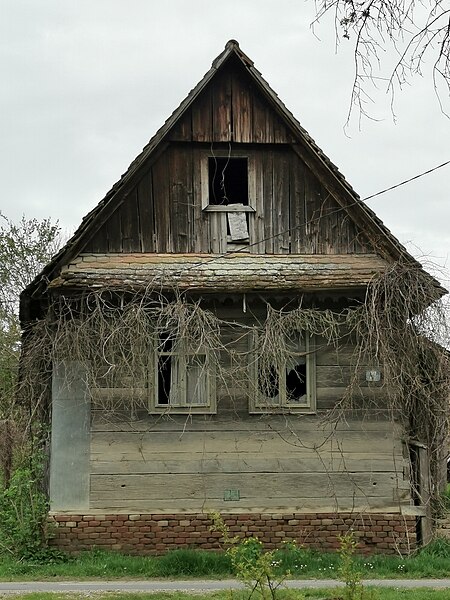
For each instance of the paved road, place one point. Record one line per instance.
(152, 585)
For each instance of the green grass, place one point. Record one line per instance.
(432, 561)
(323, 594)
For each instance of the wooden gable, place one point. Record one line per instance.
(298, 203)
(292, 212)
(231, 109)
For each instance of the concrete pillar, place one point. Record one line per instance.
(70, 438)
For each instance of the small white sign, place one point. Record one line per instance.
(373, 375)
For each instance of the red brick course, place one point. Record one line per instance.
(155, 534)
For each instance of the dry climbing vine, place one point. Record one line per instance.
(400, 327)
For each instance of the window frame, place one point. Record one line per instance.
(204, 181)
(259, 404)
(184, 407)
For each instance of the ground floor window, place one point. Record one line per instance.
(182, 378)
(283, 382)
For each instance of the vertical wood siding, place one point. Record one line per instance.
(293, 212)
(231, 109)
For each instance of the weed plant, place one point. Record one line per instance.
(432, 561)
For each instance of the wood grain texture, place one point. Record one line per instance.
(168, 211)
(234, 441)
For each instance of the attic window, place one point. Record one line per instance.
(227, 181)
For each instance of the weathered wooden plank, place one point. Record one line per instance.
(202, 128)
(256, 183)
(312, 212)
(241, 110)
(354, 505)
(262, 131)
(327, 397)
(254, 485)
(181, 199)
(227, 441)
(297, 205)
(281, 135)
(130, 226)
(213, 463)
(218, 232)
(304, 424)
(280, 213)
(221, 103)
(182, 130)
(329, 355)
(99, 242)
(325, 241)
(336, 376)
(146, 212)
(114, 232)
(265, 159)
(331, 238)
(161, 178)
(200, 239)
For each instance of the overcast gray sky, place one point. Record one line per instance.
(86, 83)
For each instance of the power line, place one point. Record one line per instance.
(312, 220)
(406, 181)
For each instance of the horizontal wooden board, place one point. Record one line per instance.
(337, 376)
(253, 486)
(331, 355)
(103, 421)
(351, 504)
(237, 463)
(253, 442)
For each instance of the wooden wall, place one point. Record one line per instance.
(231, 109)
(175, 463)
(162, 212)
(182, 464)
(293, 213)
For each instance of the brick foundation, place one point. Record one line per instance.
(157, 533)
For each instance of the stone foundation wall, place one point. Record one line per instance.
(158, 533)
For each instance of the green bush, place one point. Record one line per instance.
(438, 548)
(24, 531)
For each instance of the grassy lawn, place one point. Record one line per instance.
(378, 594)
(433, 561)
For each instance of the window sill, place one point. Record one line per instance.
(276, 410)
(182, 410)
(230, 208)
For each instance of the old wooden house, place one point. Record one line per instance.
(209, 381)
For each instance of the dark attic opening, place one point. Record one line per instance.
(228, 180)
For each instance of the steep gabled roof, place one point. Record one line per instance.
(382, 239)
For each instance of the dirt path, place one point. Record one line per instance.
(152, 585)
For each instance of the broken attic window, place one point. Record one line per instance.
(228, 181)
